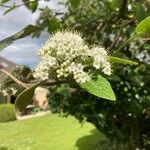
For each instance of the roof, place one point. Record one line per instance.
(7, 65)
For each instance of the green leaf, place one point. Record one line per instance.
(9, 10)
(100, 87)
(74, 3)
(113, 77)
(144, 26)
(23, 33)
(140, 13)
(31, 5)
(54, 25)
(25, 98)
(122, 61)
(3, 1)
(34, 6)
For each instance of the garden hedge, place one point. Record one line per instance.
(7, 112)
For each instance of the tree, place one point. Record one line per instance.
(16, 81)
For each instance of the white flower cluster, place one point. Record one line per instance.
(9, 91)
(65, 54)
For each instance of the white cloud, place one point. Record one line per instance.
(15, 21)
(23, 51)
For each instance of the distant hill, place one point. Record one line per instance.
(7, 65)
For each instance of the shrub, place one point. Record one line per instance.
(125, 122)
(7, 112)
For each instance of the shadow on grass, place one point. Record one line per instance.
(5, 148)
(90, 142)
(97, 141)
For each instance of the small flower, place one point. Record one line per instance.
(112, 37)
(129, 100)
(9, 91)
(101, 115)
(115, 116)
(129, 114)
(99, 55)
(79, 75)
(4, 92)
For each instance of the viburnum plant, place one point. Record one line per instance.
(67, 58)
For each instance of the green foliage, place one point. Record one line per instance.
(54, 25)
(7, 112)
(3, 1)
(115, 120)
(9, 10)
(143, 27)
(25, 98)
(47, 21)
(100, 87)
(140, 13)
(23, 73)
(74, 3)
(23, 33)
(125, 121)
(122, 61)
(31, 5)
(2, 98)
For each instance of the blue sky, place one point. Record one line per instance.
(23, 51)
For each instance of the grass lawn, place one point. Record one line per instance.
(49, 132)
